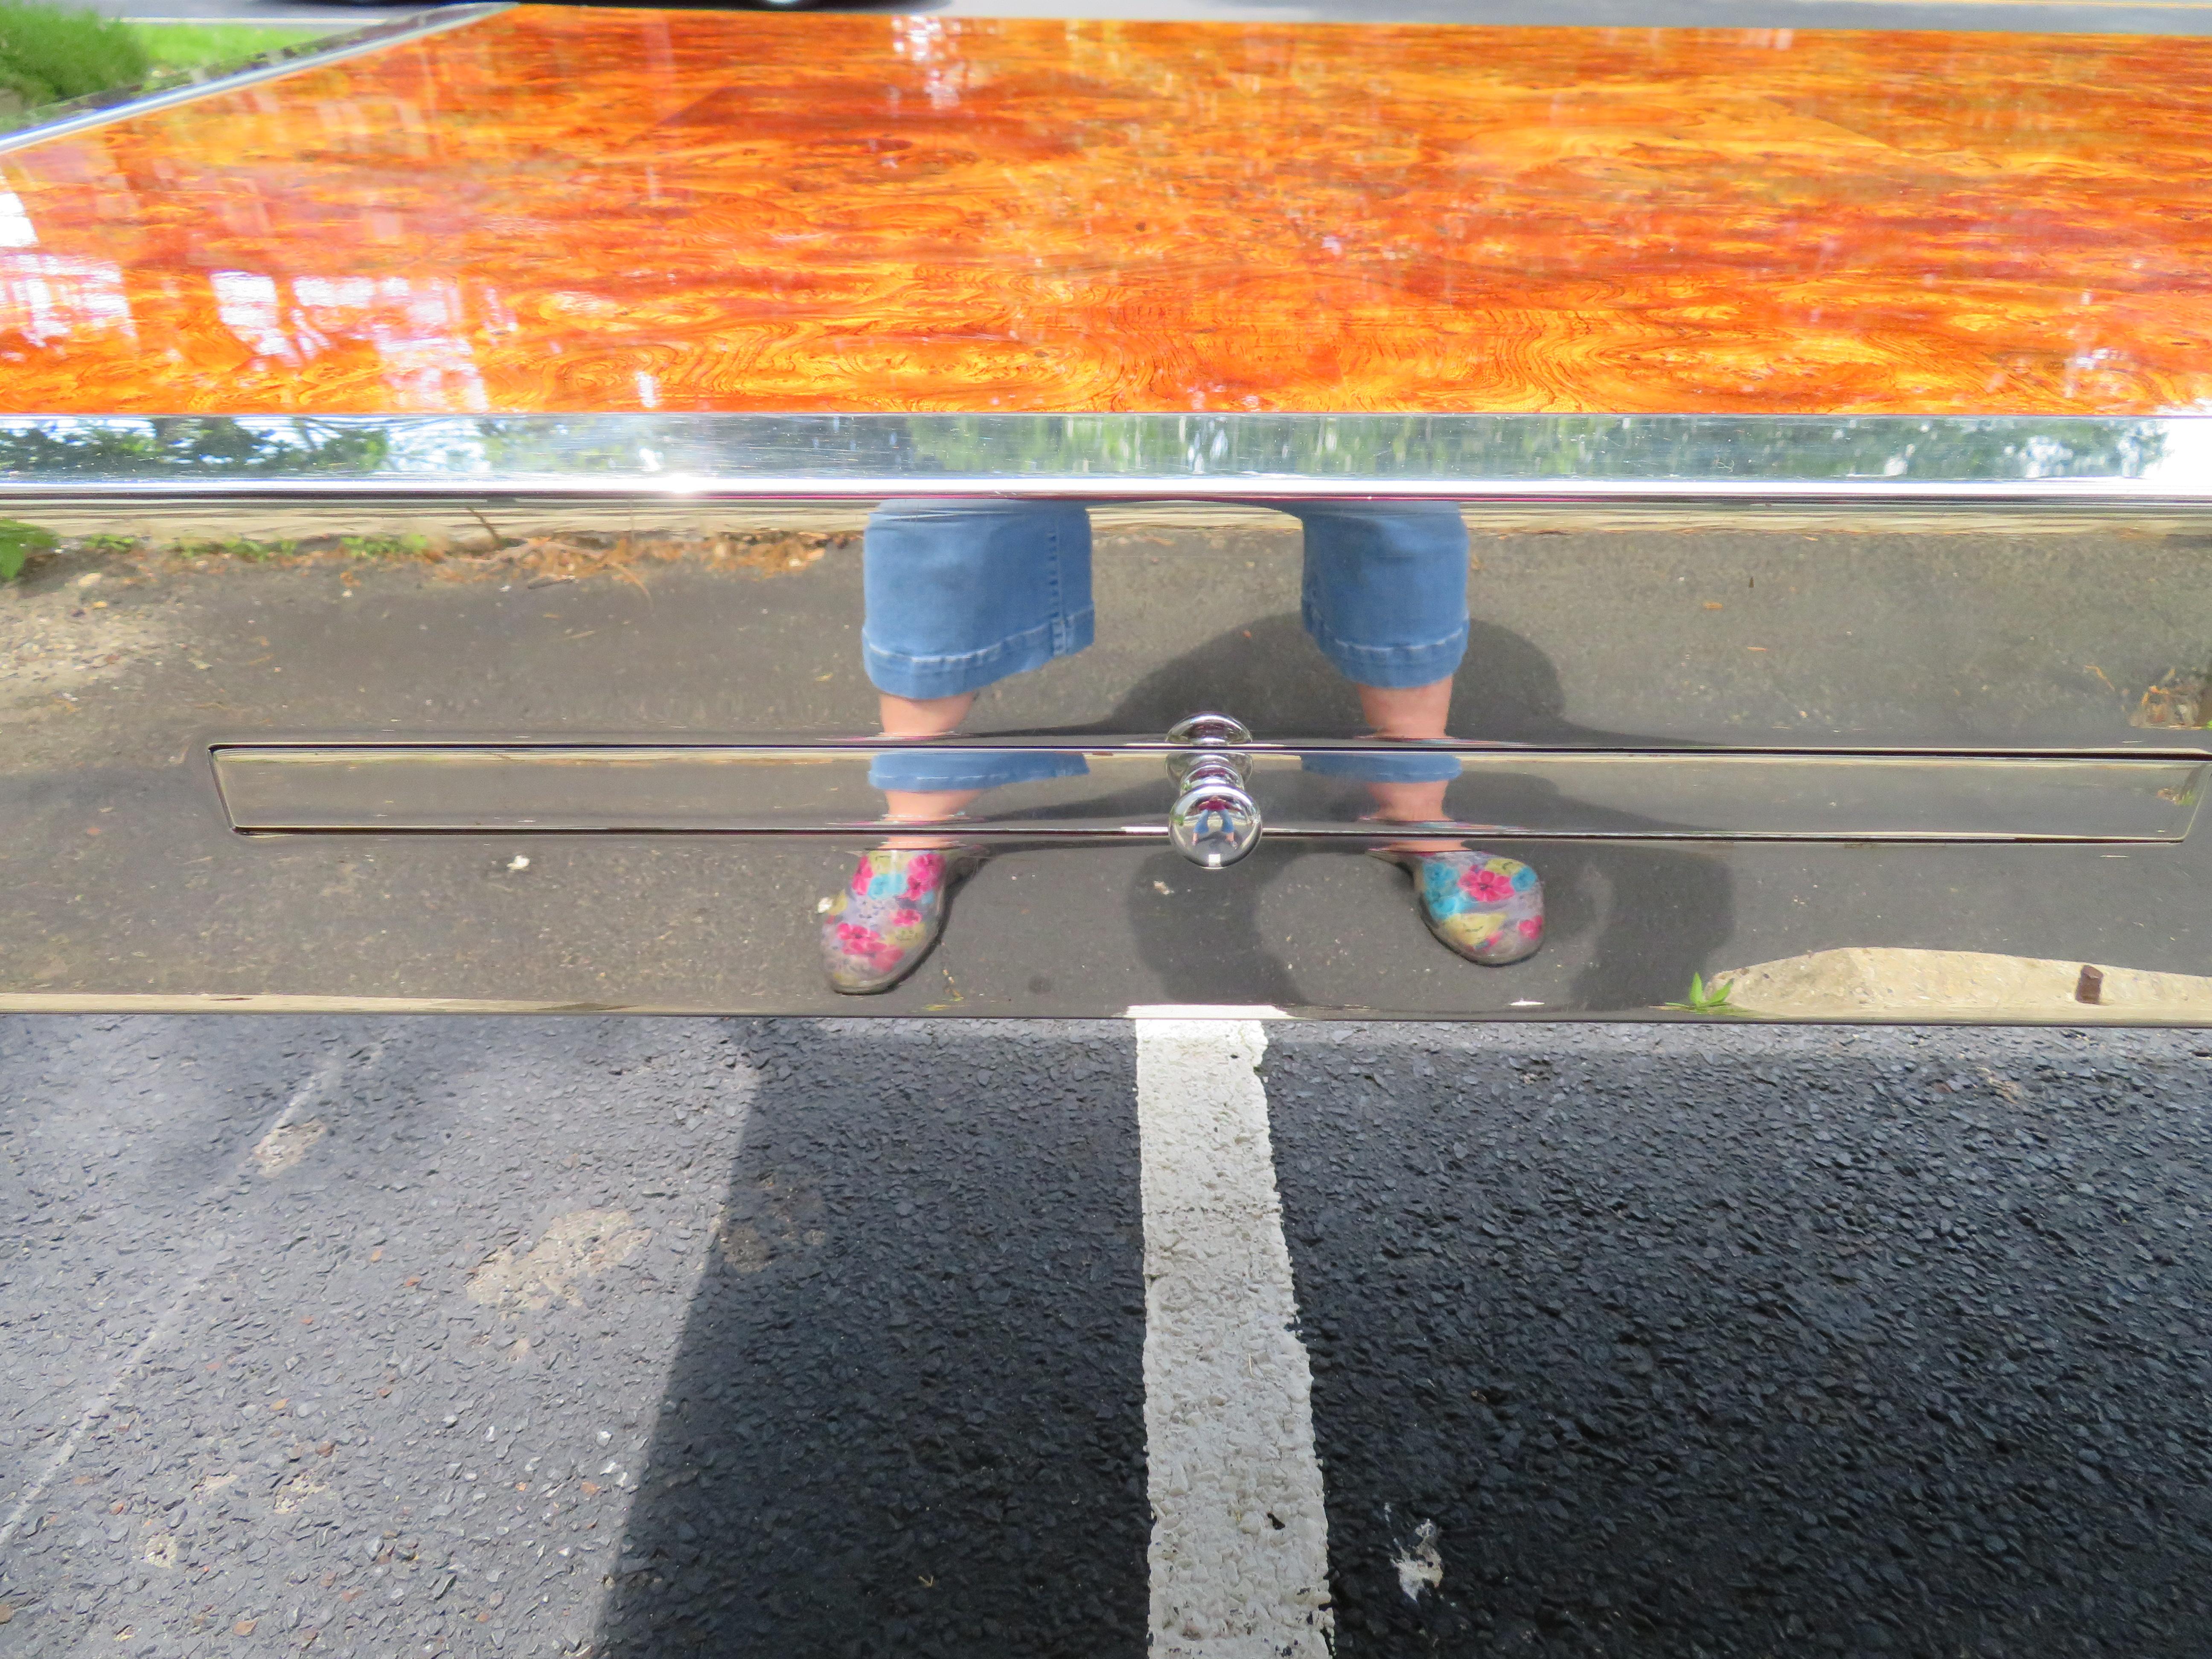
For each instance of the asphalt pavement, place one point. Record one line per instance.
(656, 1336)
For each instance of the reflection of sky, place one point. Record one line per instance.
(2184, 460)
(247, 305)
(16, 229)
(420, 329)
(49, 297)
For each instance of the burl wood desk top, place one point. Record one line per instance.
(601, 210)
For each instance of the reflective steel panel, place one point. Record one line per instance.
(617, 753)
(1511, 793)
(1662, 462)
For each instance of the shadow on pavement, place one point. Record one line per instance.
(907, 1415)
(1647, 917)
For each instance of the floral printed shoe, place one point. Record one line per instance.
(876, 931)
(1487, 909)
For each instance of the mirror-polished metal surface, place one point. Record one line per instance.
(630, 510)
(1110, 792)
(1876, 463)
(1893, 764)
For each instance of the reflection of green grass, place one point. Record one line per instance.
(183, 48)
(49, 54)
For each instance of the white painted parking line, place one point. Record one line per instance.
(1239, 1555)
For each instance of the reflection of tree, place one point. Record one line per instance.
(1170, 448)
(1540, 447)
(173, 446)
(729, 446)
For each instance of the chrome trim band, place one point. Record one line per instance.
(2161, 462)
(1118, 792)
(98, 109)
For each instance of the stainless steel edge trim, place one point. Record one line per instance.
(2114, 496)
(860, 834)
(282, 745)
(329, 50)
(783, 792)
(2090, 463)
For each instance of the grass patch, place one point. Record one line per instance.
(260, 552)
(18, 541)
(185, 49)
(51, 54)
(1705, 999)
(48, 54)
(236, 547)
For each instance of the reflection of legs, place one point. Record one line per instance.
(1385, 598)
(959, 594)
(1385, 601)
(1416, 713)
(924, 717)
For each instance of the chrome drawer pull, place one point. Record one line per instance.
(1214, 822)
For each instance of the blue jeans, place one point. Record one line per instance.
(962, 593)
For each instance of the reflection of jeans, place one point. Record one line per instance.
(962, 594)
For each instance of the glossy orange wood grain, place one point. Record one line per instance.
(575, 209)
